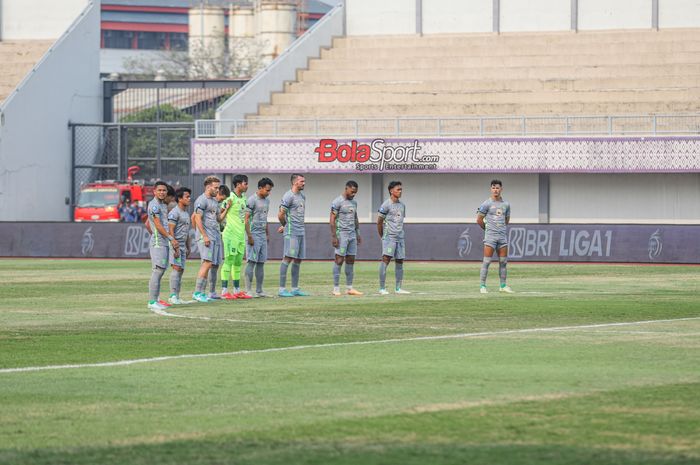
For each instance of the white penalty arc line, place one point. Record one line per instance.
(236, 320)
(339, 344)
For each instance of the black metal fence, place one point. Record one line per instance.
(107, 151)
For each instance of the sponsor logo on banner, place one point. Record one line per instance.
(464, 244)
(655, 245)
(137, 241)
(526, 242)
(377, 155)
(87, 243)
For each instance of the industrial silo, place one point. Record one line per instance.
(207, 43)
(277, 26)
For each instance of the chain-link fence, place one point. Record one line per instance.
(162, 151)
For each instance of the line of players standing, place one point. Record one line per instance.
(246, 233)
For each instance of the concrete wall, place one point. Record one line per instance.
(370, 17)
(35, 141)
(37, 19)
(679, 13)
(535, 15)
(447, 16)
(620, 14)
(628, 198)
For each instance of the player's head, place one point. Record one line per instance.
(242, 181)
(211, 185)
(160, 190)
(298, 181)
(265, 185)
(223, 192)
(350, 190)
(395, 189)
(183, 196)
(496, 187)
(170, 197)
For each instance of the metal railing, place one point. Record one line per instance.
(473, 126)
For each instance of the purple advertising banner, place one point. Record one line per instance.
(527, 242)
(449, 155)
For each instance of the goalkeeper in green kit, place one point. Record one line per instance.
(234, 239)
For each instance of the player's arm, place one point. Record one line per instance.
(334, 234)
(357, 229)
(161, 229)
(222, 213)
(480, 220)
(199, 225)
(188, 244)
(251, 241)
(147, 223)
(282, 218)
(380, 225)
(171, 227)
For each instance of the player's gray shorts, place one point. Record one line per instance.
(497, 242)
(179, 261)
(159, 256)
(214, 253)
(294, 247)
(258, 252)
(347, 245)
(394, 248)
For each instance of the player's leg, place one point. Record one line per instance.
(159, 260)
(296, 267)
(388, 250)
(236, 273)
(337, 265)
(399, 256)
(290, 249)
(207, 255)
(350, 254)
(502, 268)
(261, 257)
(175, 283)
(218, 258)
(226, 267)
(483, 274)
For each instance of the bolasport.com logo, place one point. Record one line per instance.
(377, 155)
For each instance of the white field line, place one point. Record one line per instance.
(236, 320)
(342, 344)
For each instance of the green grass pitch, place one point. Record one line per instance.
(443, 376)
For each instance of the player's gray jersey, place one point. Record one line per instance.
(158, 209)
(294, 205)
(495, 214)
(258, 208)
(346, 212)
(181, 220)
(393, 214)
(209, 209)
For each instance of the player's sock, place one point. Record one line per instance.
(175, 281)
(349, 274)
(502, 271)
(236, 271)
(399, 274)
(249, 268)
(295, 275)
(283, 274)
(484, 270)
(154, 283)
(226, 272)
(382, 275)
(213, 271)
(200, 285)
(336, 274)
(259, 277)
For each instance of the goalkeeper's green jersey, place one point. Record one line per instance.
(235, 217)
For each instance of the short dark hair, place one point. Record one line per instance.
(295, 176)
(351, 184)
(171, 191)
(496, 182)
(239, 178)
(224, 190)
(210, 179)
(265, 182)
(393, 184)
(161, 183)
(180, 193)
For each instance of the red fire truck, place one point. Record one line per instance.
(100, 200)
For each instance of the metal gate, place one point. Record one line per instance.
(107, 151)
